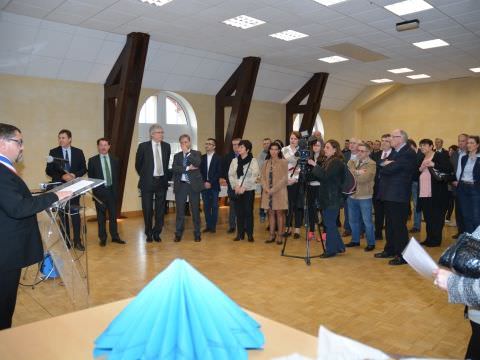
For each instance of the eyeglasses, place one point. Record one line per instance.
(396, 136)
(18, 141)
(210, 144)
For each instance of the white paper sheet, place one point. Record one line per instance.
(416, 256)
(78, 185)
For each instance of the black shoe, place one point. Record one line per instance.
(346, 233)
(296, 236)
(327, 255)
(424, 243)
(352, 244)
(149, 238)
(156, 237)
(78, 246)
(236, 238)
(118, 241)
(197, 238)
(230, 230)
(432, 245)
(103, 242)
(369, 248)
(271, 240)
(383, 255)
(456, 236)
(251, 239)
(398, 260)
(213, 231)
(206, 230)
(414, 230)
(177, 238)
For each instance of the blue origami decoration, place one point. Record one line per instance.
(180, 315)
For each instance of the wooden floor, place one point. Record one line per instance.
(391, 308)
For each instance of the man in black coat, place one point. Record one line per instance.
(395, 189)
(105, 166)
(151, 163)
(210, 169)
(187, 182)
(20, 239)
(71, 167)
(227, 159)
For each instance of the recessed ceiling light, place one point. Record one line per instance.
(400, 70)
(418, 76)
(333, 59)
(156, 2)
(329, 2)
(429, 44)
(475, 69)
(381, 81)
(288, 35)
(408, 7)
(243, 22)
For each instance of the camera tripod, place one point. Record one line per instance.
(307, 257)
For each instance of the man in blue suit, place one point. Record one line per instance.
(210, 168)
(395, 188)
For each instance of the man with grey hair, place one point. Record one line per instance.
(151, 163)
(396, 176)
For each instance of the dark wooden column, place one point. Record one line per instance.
(236, 93)
(122, 90)
(313, 89)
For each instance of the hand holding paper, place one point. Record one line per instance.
(419, 259)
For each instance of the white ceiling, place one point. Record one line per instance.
(191, 50)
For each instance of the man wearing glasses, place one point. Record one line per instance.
(73, 166)
(20, 239)
(151, 163)
(210, 167)
(396, 176)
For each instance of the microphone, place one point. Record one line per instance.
(51, 159)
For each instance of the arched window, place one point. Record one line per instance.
(173, 113)
(317, 127)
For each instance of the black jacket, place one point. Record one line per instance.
(331, 179)
(56, 170)
(20, 239)
(95, 171)
(214, 171)
(396, 178)
(194, 176)
(144, 163)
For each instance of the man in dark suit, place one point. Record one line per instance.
(210, 169)
(104, 166)
(455, 160)
(187, 182)
(227, 159)
(73, 166)
(439, 147)
(379, 157)
(20, 239)
(395, 189)
(151, 163)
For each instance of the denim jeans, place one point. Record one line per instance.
(360, 212)
(469, 201)
(210, 207)
(417, 215)
(334, 242)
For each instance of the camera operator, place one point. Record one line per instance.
(316, 154)
(295, 202)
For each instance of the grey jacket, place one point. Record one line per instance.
(194, 176)
(463, 290)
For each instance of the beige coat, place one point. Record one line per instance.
(365, 180)
(279, 189)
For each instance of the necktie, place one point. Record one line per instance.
(108, 174)
(185, 165)
(67, 162)
(158, 160)
(384, 155)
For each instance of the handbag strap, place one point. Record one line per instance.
(244, 176)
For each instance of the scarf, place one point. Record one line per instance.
(241, 163)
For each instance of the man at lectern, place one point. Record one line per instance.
(105, 166)
(68, 164)
(20, 240)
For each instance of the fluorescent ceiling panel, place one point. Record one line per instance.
(333, 59)
(475, 70)
(381, 81)
(430, 44)
(288, 35)
(418, 76)
(408, 7)
(329, 2)
(400, 70)
(243, 22)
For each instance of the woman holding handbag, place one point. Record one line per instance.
(243, 174)
(433, 191)
(274, 184)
